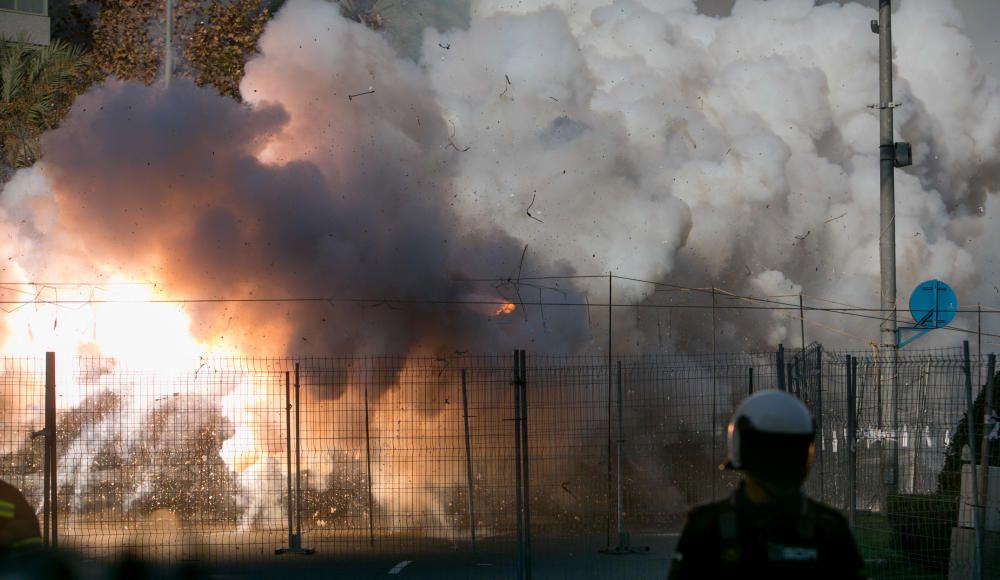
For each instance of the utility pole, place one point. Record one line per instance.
(891, 156)
(168, 55)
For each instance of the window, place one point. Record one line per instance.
(32, 6)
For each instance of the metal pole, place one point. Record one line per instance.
(518, 500)
(607, 491)
(46, 475)
(298, 462)
(468, 465)
(887, 158)
(368, 461)
(524, 455)
(622, 541)
(984, 487)
(288, 454)
(802, 327)
(50, 444)
(979, 346)
(922, 401)
(715, 410)
(970, 424)
(168, 57)
(819, 423)
(750, 381)
(852, 438)
(46, 460)
(780, 364)
(887, 232)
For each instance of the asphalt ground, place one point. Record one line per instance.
(550, 560)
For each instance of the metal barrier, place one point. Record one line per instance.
(238, 458)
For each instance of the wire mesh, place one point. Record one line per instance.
(22, 412)
(228, 459)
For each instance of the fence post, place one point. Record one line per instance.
(368, 462)
(988, 400)
(622, 540)
(298, 463)
(970, 429)
(468, 465)
(524, 456)
(294, 494)
(522, 492)
(750, 381)
(288, 462)
(780, 363)
(50, 479)
(518, 500)
(819, 422)
(852, 439)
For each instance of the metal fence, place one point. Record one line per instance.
(239, 457)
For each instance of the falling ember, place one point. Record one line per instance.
(505, 308)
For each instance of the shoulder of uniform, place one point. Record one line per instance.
(8, 492)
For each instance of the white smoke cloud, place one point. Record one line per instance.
(758, 122)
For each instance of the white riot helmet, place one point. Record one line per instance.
(772, 436)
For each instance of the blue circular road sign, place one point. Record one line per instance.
(933, 304)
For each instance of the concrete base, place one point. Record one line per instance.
(963, 550)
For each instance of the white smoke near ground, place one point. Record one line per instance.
(638, 138)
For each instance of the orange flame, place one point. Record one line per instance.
(505, 308)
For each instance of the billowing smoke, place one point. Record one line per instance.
(639, 138)
(636, 137)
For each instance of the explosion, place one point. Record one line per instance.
(637, 137)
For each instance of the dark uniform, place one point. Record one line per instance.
(799, 538)
(18, 523)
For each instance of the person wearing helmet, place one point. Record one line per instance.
(767, 528)
(19, 530)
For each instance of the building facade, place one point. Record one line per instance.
(26, 20)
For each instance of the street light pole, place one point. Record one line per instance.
(891, 156)
(168, 53)
(887, 162)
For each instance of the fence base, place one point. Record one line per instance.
(295, 547)
(624, 548)
(963, 553)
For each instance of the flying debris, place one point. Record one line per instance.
(370, 90)
(528, 211)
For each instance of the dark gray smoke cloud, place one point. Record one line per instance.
(169, 184)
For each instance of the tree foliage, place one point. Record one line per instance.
(123, 42)
(37, 87)
(211, 40)
(219, 45)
